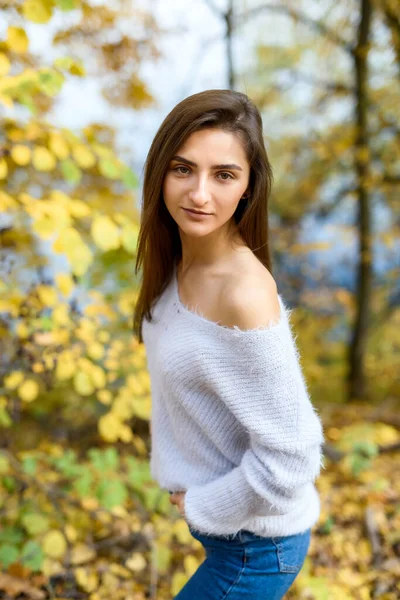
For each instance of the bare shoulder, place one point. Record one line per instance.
(251, 301)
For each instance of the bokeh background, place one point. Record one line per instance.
(84, 87)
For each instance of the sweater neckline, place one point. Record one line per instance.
(216, 324)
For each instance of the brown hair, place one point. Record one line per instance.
(159, 246)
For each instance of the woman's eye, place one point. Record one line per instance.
(186, 170)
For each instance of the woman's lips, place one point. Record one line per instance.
(196, 215)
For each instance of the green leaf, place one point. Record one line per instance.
(8, 554)
(129, 237)
(50, 82)
(35, 523)
(111, 459)
(32, 555)
(27, 101)
(67, 463)
(29, 465)
(12, 535)
(46, 323)
(84, 483)
(151, 498)
(5, 419)
(104, 460)
(327, 526)
(9, 483)
(138, 472)
(368, 449)
(4, 464)
(66, 5)
(66, 63)
(129, 178)
(111, 493)
(109, 168)
(70, 171)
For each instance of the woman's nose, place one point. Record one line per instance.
(200, 189)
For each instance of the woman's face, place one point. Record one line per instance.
(209, 173)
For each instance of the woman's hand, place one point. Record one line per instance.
(178, 498)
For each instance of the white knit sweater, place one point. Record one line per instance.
(232, 421)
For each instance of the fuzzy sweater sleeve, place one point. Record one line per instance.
(258, 376)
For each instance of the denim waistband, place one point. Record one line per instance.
(240, 537)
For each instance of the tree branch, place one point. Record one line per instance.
(319, 26)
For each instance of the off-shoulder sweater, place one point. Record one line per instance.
(232, 422)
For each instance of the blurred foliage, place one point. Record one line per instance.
(80, 515)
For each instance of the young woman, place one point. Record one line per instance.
(235, 437)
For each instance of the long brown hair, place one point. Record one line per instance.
(159, 245)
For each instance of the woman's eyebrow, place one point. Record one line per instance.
(193, 164)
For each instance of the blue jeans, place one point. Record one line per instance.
(246, 566)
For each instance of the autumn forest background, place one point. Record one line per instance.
(80, 516)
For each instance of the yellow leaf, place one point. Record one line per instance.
(54, 544)
(70, 243)
(71, 533)
(125, 434)
(120, 570)
(68, 239)
(22, 330)
(61, 314)
(21, 154)
(104, 337)
(191, 564)
(17, 40)
(43, 159)
(181, 531)
(83, 156)
(129, 237)
(83, 384)
(136, 562)
(109, 427)
(64, 283)
(26, 199)
(87, 580)
(58, 213)
(79, 209)
(81, 260)
(7, 201)
(58, 146)
(98, 377)
(5, 64)
(179, 579)
(13, 380)
(3, 168)
(28, 390)
(66, 365)
(47, 295)
(4, 465)
(82, 553)
(142, 407)
(33, 130)
(134, 384)
(104, 396)
(61, 337)
(36, 11)
(102, 151)
(44, 227)
(95, 351)
(6, 100)
(105, 233)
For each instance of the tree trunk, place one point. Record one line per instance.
(356, 374)
(229, 41)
